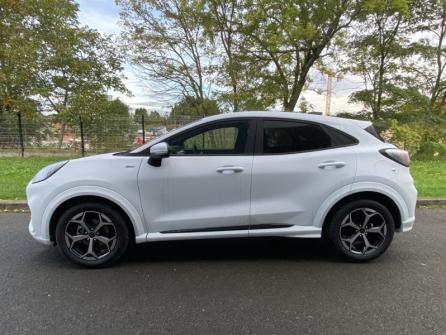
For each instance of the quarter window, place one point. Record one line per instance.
(223, 139)
(281, 137)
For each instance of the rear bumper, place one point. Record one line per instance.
(407, 225)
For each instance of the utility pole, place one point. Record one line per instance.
(329, 92)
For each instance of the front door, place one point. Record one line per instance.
(205, 183)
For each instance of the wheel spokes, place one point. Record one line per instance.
(105, 240)
(367, 245)
(363, 231)
(75, 238)
(90, 250)
(351, 240)
(90, 235)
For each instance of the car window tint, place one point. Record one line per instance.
(338, 138)
(225, 139)
(288, 137)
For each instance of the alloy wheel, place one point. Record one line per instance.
(90, 235)
(363, 231)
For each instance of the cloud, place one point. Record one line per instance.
(100, 15)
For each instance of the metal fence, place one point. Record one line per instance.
(48, 136)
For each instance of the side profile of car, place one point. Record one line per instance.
(243, 174)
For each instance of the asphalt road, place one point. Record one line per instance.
(257, 286)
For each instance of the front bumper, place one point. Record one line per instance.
(34, 235)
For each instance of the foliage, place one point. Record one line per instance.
(166, 42)
(49, 62)
(305, 106)
(377, 44)
(108, 124)
(190, 106)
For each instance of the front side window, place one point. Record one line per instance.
(224, 139)
(280, 137)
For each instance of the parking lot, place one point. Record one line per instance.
(256, 286)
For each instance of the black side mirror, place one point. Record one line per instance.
(157, 153)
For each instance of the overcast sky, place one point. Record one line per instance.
(103, 15)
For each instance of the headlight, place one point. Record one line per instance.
(48, 171)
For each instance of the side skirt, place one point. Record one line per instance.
(288, 231)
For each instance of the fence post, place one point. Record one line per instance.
(22, 146)
(143, 130)
(81, 126)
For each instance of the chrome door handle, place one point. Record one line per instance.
(229, 169)
(331, 165)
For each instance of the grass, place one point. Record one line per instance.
(430, 178)
(16, 172)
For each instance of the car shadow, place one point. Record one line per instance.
(232, 249)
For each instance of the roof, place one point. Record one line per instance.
(333, 120)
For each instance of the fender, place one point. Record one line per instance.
(328, 204)
(127, 207)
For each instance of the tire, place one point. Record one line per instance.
(361, 230)
(92, 235)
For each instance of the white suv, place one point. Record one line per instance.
(232, 175)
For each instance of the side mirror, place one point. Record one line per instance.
(157, 153)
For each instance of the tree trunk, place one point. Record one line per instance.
(377, 111)
(62, 132)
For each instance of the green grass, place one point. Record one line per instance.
(430, 178)
(16, 172)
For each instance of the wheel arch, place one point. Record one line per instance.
(84, 199)
(383, 199)
(133, 216)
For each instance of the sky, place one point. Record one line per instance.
(103, 15)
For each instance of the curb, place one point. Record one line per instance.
(22, 206)
(13, 206)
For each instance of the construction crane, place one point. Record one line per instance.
(330, 76)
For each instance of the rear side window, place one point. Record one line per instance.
(281, 137)
(371, 130)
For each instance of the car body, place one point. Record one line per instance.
(242, 174)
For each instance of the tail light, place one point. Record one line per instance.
(397, 155)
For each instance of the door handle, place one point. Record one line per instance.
(331, 165)
(230, 169)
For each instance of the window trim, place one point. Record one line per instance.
(258, 151)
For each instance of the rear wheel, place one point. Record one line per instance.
(92, 235)
(362, 230)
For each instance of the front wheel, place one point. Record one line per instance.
(92, 235)
(361, 230)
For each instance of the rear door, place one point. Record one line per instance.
(297, 165)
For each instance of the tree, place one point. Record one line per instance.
(219, 17)
(165, 39)
(192, 107)
(429, 70)
(377, 44)
(282, 40)
(18, 57)
(139, 112)
(305, 106)
(48, 60)
(107, 123)
(76, 63)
